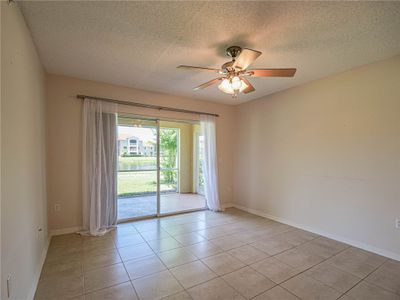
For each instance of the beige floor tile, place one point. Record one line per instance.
(128, 240)
(272, 245)
(98, 243)
(273, 229)
(305, 287)
(144, 266)
(59, 288)
(122, 291)
(248, 282)
(223, 263)
(68, 258)
(135, 251)
(179, 296)
(185, 228)
(248, 237)
(61, 269)
(275, 270)
(216, 289)
(155, 235)
(322, 248)
(102, 260)
(248, 254)
(192, 274)
(296, 237)
(124, 229)
(157, 286)
(300, 259)
(335, 278)
(164, 244)
(332, 247)
(276, 293)
(99, 251)
(357, 262)
(387, 276)
(204, 249)
(61, 253)
(345, 297)
(228, 242)
(105, 277)
(366, 291)
(147, 225)
(189, 238)
(176, 257)
(66, 240)
(212, 233)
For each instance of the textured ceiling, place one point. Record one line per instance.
(139, 44)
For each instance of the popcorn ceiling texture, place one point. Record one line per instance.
(139, 44)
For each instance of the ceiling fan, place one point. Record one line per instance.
(233, 73)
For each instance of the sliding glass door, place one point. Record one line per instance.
(137, 168)
(159, 165)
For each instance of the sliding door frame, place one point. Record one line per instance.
(158, 168)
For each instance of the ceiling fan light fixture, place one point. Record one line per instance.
(227, 86)
(236, 83)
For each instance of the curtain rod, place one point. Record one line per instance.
(147, 105)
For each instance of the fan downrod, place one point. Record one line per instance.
(233, 51)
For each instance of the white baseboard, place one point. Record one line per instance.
(227, 205)
(35, 280)
(61, 231)
(357, 244)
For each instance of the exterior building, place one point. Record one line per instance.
(135, 146)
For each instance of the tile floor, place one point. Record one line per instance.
(206, 255)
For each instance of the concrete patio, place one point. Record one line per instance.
(147, 205)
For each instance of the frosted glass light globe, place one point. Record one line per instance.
(236, 83)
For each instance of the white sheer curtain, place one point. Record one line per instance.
(210, 168)
(99, 167)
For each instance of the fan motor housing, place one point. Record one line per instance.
(233, 51)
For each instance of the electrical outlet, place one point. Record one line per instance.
(397, 224)
(57, 207)
(39, 233)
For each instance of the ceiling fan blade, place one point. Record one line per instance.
(272, 72)
(246, 58)
(207, 84)
(250, 88)
(198, 68)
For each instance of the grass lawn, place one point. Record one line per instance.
(142, 182)
(137, 183)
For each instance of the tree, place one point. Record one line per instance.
(169, 151)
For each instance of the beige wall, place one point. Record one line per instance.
(23, 193)
(326, 156)
(64, 139)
